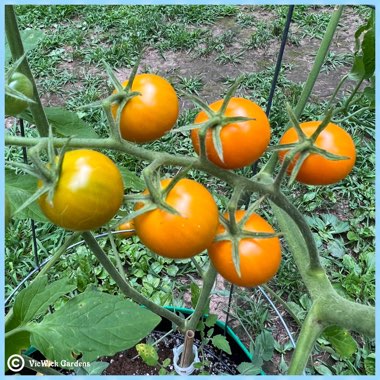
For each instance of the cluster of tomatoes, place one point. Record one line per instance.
(94, 179)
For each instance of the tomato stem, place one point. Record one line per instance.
(125, 287)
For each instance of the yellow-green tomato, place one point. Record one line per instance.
(88, 194)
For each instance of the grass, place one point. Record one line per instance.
(68, 69)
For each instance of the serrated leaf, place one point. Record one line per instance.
(298, 311)
(148, 354)
(369, 364)
(65, 123)
(30, 38)
(211, 320)
(342, 341)
(247, 368)
(19, 188)
(36, 298)
(220, 341)
(131, 180)
(195, 293)
(92, 324)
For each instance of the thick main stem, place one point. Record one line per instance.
(310, 331)
(17, 50)
(208, 283)
(125, 287)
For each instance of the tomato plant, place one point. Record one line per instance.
(148, 116)
(182, 235)
(242, 142)
(88, 193)
(20, 83)
(128, 225)
(260, 258)
(318, 170)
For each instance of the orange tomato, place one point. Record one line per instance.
(128, 225)
(148, 116)
(259, 258)
(244, 142)
(187, 234)
(318, 170)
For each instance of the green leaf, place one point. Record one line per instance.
(195, 293)
(92, 324)
(298, 311)
(220, 341)
(323, 370)
(368, 47)
(369, 364)
(95, 368)
(357, 72)
(211, 320)
(342, 341)
(264, 346)
(369, 93)
(34, 300)
(148, 354)
(247, 368)
(15, 344)
(172, 270)
(131, 180)
(65, 123)
(30, 39)
(19, 188)
(336, 249)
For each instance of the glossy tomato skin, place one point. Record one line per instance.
(259, 258)
(148, 116)
(88, 194)
(318, 170)
(128, 225)
(244, 142)
(187, 234)
(21, 83)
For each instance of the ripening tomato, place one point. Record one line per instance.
(244, 142)
(88, 194)
(260, 258)
(187, 234)
(148, 116)
(129, 226)
(318, 170)
(20, 83)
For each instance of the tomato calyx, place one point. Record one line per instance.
(216, 121)
(298, 152)
(234, 230)
(156, 195)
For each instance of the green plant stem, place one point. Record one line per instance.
(115, 251)
(319, 60)
(17, 50)
(125, 287)
(310, 331)
(208, 283)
